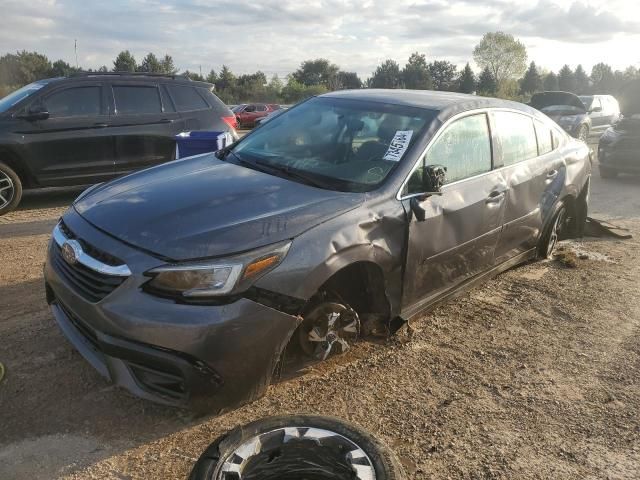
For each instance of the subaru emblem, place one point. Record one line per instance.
(71, 251)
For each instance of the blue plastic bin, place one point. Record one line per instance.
(194, 143)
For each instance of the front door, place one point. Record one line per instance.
(74, 145)
(458, 235)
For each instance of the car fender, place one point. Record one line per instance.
(375, 236)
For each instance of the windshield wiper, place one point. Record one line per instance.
(294, 173)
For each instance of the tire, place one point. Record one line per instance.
(550, 235)
(10, 189)
(607, 173)
(583, 133)
(305, 451)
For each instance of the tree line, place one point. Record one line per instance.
(501, 57)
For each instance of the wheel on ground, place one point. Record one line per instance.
(10, 189)
(551, 234)
(297, 447)
(583, 133)
(607, 173)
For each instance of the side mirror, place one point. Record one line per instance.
(36, 112)
(434, 177)
(595, 110)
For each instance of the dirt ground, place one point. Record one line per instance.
(535, 374)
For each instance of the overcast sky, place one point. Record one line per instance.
(276, 35)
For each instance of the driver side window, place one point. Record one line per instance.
(464, 148)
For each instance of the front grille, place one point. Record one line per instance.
(89, 249)
(91, 285)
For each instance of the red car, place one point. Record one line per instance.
(248, 113)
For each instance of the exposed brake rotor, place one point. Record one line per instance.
(327, 329)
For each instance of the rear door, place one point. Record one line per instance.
(74, 145)
(529, 165)
(458, 236)
(144, 123)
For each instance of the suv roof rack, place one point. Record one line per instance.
(130, 74)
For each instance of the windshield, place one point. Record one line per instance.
(342, 144)
(238, 108)
(587, 100)
(14, 97)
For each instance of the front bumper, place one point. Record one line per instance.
(202, 357)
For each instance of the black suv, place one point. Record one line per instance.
(91, 127)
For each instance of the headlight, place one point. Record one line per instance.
(216, 277)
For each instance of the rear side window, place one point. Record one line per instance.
(187, 98)
(517, 137)
(75, 102)
(261, 108)
(136, 99)
(545, 138)
(464, 148)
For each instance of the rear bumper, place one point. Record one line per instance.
(626, 160)
(196, 356)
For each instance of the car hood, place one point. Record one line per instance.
(203, 207)
(543, 100)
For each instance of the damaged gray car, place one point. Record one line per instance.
(341, 218)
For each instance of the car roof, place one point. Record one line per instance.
(447, 103)
(92, 76)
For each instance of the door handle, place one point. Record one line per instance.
(552, 173)
(495, 197)
(166, 120)
(100, 125)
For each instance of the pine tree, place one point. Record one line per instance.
(566, 79)
(551, 82)
(467, 80)
(532, 81)
(487, 84)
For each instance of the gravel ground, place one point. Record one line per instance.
(535, 374)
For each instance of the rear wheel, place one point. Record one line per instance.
(550, 236)
(297, 447)
(10, 189)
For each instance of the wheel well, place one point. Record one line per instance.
(13, 161)
(360, 285)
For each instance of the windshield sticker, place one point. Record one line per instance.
(398, 145)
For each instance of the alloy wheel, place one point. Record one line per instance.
(554, 234)
(277, 454)
(328, 329)
(7, 190)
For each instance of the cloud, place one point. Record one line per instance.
(276, 35)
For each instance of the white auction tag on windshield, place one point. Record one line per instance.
(398, 145)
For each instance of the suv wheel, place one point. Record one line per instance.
(10, 189)
(300, 446)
